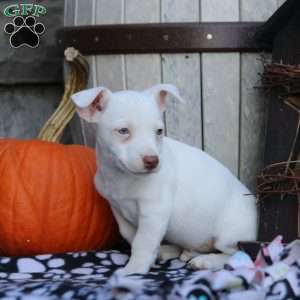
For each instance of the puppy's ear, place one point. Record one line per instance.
(160, 92)
(90, 103)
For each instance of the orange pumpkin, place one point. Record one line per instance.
(48, 202)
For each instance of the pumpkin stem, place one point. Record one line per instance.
(77, 80)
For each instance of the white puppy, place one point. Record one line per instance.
(160, 189)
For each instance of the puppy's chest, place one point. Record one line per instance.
(128, 209)
(121, 199)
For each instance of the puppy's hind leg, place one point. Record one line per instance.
(214, 261)
(211, 261)
(186, 255)
(241, 211)
(168, 252)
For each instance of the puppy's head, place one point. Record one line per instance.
(129, 124)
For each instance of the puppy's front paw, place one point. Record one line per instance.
(186, 255)
(129, 269)
(209, 261)
(168, 251)
(121, 272)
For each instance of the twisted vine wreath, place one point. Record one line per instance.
(283, 178)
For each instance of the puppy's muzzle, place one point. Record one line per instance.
(150, 162)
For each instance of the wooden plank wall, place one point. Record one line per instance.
(253, 112)
(183, 122)
(221, 79)
(224, 114)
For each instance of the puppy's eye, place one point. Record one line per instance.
(124, 131)
(159, 131)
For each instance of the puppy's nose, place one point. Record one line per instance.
(150, 162)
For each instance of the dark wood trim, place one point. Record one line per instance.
(280, 19)
(279, 213)
(162, 38)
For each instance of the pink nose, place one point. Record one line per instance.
(150, 162)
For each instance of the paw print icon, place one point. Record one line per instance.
(24, 32)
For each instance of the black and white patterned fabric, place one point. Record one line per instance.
(275, 275)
